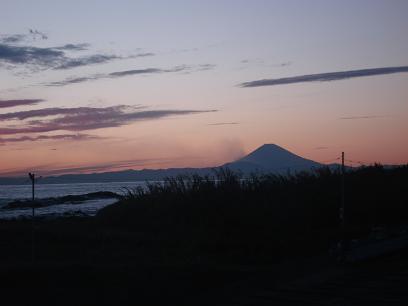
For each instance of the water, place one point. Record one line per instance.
(21, 192)
(87, 208)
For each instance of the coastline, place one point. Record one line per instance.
(67, 206)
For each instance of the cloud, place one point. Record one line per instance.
(142, 55)
(76, 137)
(361, 117)
(55, 58)
(321, 148)
(204, 67)
(13, 55)
(86, 60)
(133, 72)
(252, 61)
(109, 166)
(179, 68)
(124, 73)
(45, 112)
(83, 118)
(18, 38)
(224, 123)
(117, 74)
(12, 103)
(37, 34)
(43, 57)
(325, 77)
(76, 80)
(259, 61)
(94, 59)
(52, 169)
(12, 39)
(74, 47)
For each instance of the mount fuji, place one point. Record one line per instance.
(268, 158)
(272, 158)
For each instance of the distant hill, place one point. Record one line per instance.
(115, 176)
(267, 158)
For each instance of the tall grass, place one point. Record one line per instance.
(263, 213)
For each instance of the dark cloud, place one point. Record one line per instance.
(54, 58)
(124, 73)
(133, 72)
(19, 38)
(224, 123)
(204, 67)
(179, 68)
(44, 57)
(73, 111)
(142, 55)
(12, 103)
(74, 47)
(69, 81)
(325, 77)
(13, 39)
(83, 118)
(86, 60)
(35, 58)
(48, 137)
(94, 59)
(37, 34)
(189, 69)
(361, 117)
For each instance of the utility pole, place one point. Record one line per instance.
(342, 208)
(342, 220)
(32, 178)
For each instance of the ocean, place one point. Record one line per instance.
(9, 193)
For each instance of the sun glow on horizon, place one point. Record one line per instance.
(200, 84)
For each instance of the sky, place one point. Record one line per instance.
(91, 86)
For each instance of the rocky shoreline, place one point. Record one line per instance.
(69, 199)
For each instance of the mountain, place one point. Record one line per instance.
(272, 158)
(267, 158)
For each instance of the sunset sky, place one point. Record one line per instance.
(90, 86)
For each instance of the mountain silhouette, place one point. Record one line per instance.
(267, 158)
(272, 158)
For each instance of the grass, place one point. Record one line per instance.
(264, 216)
(193, 240)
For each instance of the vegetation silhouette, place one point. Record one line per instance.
(265, 215)
(193, 240)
